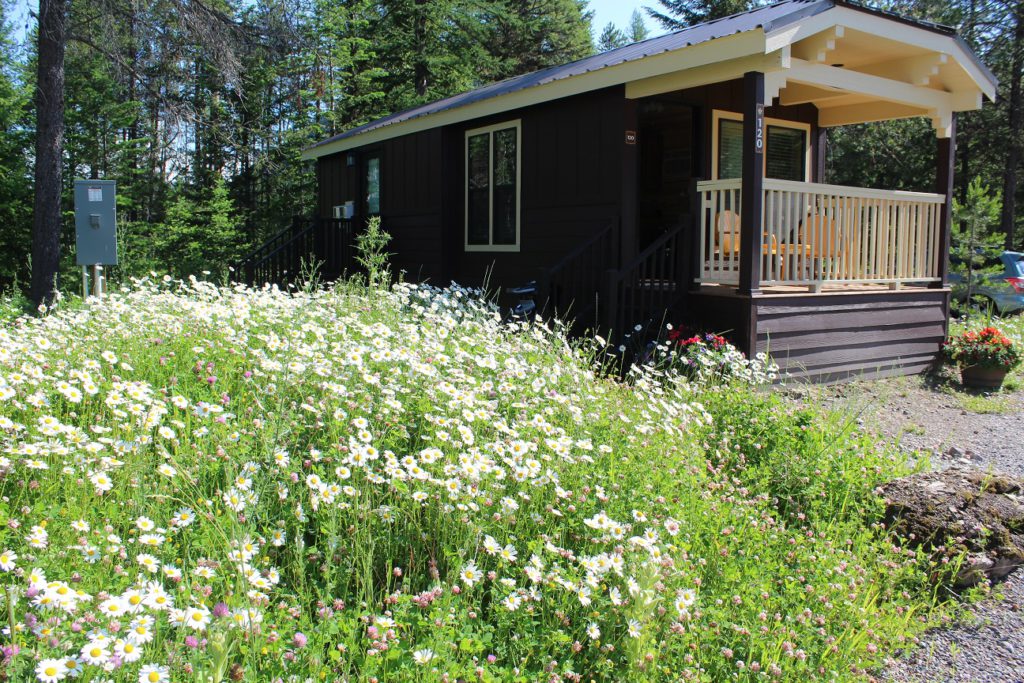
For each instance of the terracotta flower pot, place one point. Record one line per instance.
(982, 377)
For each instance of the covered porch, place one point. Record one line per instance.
(831, 280)
(816, 237)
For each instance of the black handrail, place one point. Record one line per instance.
(647, 287)
(570, 287)
(279, 260)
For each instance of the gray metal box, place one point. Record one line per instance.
(95, 222)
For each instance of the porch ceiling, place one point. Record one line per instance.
(857, 67)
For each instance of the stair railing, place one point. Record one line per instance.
(646, 288)
(569, 289)
(279, 260)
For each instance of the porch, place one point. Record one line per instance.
(818, 237)
(837, 281)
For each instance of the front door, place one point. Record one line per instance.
(666, 167)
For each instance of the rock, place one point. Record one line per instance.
(955, 452)
(958, 512)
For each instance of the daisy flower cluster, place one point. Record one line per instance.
(221, 483)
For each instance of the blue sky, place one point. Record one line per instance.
(619, 11)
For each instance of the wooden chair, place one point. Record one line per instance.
(727, 237)
(824, 241)
(727, 231)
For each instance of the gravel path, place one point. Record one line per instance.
(988, 645)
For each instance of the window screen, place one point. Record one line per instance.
(372, 186)
(786, 154)
(730, 149)
(505, 186)
(785, 151)
(479, 178)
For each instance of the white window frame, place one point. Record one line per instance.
(490, 130)
(719, 114)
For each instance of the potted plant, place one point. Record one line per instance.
(984, 357)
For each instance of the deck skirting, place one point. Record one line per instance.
(836, 336)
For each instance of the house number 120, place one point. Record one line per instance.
(759, 130)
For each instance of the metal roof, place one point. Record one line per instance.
(769, 18)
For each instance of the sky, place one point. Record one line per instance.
(619, 12)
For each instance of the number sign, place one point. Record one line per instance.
(759, 130)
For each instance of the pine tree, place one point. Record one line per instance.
(15, 174)
(677, 14)
(424, 50)
(611, 37)
(637, 28)
(345, 88)
(530, 35)
(49, 101)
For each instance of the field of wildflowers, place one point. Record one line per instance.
(205, 483)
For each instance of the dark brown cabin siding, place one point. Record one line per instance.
(571, 183)
(410, 196)
(833, 336)
(571, 174)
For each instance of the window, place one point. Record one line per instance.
(492, 187)
(730, 148)
(785, 155)
(786, 150)
(371, 197)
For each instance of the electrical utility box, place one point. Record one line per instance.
(95, 222)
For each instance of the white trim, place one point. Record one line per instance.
(718, 72)
(877, 86)
(719, 114)
(517, 124)
(883, 28)
(846, 190)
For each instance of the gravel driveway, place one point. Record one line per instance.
(988, 645)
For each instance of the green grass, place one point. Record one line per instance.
(362, 485)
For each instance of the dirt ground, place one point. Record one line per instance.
(934, 419)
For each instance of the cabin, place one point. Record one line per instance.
(681, 178)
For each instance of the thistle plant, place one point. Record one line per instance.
(372, 255)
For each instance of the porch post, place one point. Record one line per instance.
(751, 199)
(630, 179)
(944, 186)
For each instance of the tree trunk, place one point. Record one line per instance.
(421, 69)
(1013, 155)
(46, 222)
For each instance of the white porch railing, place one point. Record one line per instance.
(815, 234)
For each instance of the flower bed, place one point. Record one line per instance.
(205, 483)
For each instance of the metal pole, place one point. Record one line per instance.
(85, 282)
(97, 285)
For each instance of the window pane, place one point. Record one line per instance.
(1017, 267)
(373, 185)
(786, 154)
(478, 179)
(505, 208)
(730, 149)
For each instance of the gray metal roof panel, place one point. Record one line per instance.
(768, 18)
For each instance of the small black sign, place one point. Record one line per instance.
(630, 137)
